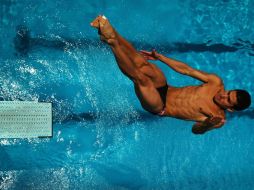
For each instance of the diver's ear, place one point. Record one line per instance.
(230, 109)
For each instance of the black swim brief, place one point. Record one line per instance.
(163, 94)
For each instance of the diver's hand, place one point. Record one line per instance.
(153, 55)
(209, 124)
(213, 121)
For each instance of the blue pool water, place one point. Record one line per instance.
(103, 139)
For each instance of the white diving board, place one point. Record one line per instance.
(24, 119)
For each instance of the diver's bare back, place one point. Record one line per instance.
(193, 102)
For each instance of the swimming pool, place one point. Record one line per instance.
(103, 139)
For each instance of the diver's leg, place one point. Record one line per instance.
(127, 47)
(110, 32)
(144, 86)
(151, 70)
(110, 36)
(107, 34)
(124, 63)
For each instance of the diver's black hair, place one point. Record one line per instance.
(243, 100)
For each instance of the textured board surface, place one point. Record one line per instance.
(22, 119)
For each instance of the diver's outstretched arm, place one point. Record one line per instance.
(181, 67)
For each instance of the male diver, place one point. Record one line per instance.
(205, 104)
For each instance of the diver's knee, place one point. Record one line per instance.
(141, 79)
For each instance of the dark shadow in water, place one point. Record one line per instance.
(23, 42)
(81, 117)
(92, 117)
(120, 175)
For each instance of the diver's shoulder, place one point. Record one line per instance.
(215, 79)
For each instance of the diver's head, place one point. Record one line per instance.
(233, 99)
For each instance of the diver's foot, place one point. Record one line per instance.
(96, 22)
(106, 31)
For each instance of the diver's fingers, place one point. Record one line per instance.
(146, 52)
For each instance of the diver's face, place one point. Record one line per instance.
(226, 99)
